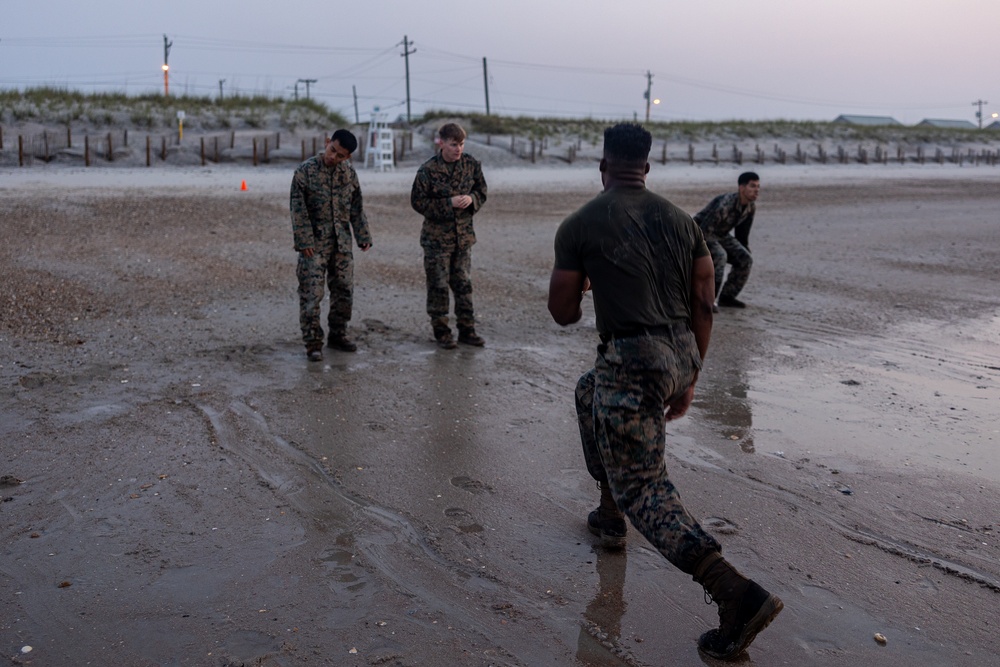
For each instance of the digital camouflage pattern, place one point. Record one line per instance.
(326, 206)
(447, 234)
(446, 270)
(336, 270)
(722, 216)
(446, 227)
(620, 409)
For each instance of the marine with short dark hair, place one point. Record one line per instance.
(734, 213)
(326, 206)
(448, 190)
(652, 280)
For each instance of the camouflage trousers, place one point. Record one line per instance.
(727, 250)
(620, 408)
(335, 270)
(449, 269)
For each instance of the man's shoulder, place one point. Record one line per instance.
(347, 167)
(728, 199)
(471, 161)
(432, 163)
(313, 161)
(308, 165)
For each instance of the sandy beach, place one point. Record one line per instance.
(194, 492)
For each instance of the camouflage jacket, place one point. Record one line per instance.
(325, 203)
(446, 227)
(723, 215)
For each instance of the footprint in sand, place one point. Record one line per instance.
(720, 525)
(471, 485)
(464, 521)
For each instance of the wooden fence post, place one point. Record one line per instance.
(232, 139)
(69, 138)
(690, 153)
(45, 141)
(663, 156)
(125, 139)
(86, 150)
(163, 148)
(149, 161)
(111, 154)
(1, 137)
(20, 151)
(266, 151)
(532, 151)
(203, 151)
(255, 151)
(277, 141)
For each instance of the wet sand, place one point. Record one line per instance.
(196, 493)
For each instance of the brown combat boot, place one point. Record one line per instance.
(444, 339)
(607, 521)
(341, 342)
(468, 336)
(744, 607)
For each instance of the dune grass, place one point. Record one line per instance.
(591, 130)
(63, 106)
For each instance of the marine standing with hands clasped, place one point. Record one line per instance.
(448, 190)
(652, 280)
(326, 205)
(734, 213)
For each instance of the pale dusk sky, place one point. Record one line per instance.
(711, 60)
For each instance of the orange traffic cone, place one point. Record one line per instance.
(243, 185)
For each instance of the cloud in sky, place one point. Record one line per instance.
(713, 60)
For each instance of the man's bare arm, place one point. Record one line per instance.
(702, 299)
(565, 294)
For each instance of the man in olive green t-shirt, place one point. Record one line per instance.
(654, 286)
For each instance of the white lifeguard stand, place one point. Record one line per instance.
(380, 142)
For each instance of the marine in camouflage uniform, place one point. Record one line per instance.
(726, 223)
(326, 206)
(448, 190)
(652, 280)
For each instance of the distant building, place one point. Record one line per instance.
(950, 124)
(995, 125)
(849, 119)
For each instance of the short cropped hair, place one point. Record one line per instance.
(452, 131)
(346, 139)
(746, 177)
(627, 142)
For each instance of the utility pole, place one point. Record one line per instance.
(486, 86)
(297, 90)
(406, 56)
(648, 94)
(357, 119)
(221, 81)
(979, 114)
(307, 82)
(166, 67)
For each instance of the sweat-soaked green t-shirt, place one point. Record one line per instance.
(638, 250)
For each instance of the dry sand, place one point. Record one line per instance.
(196, 493)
